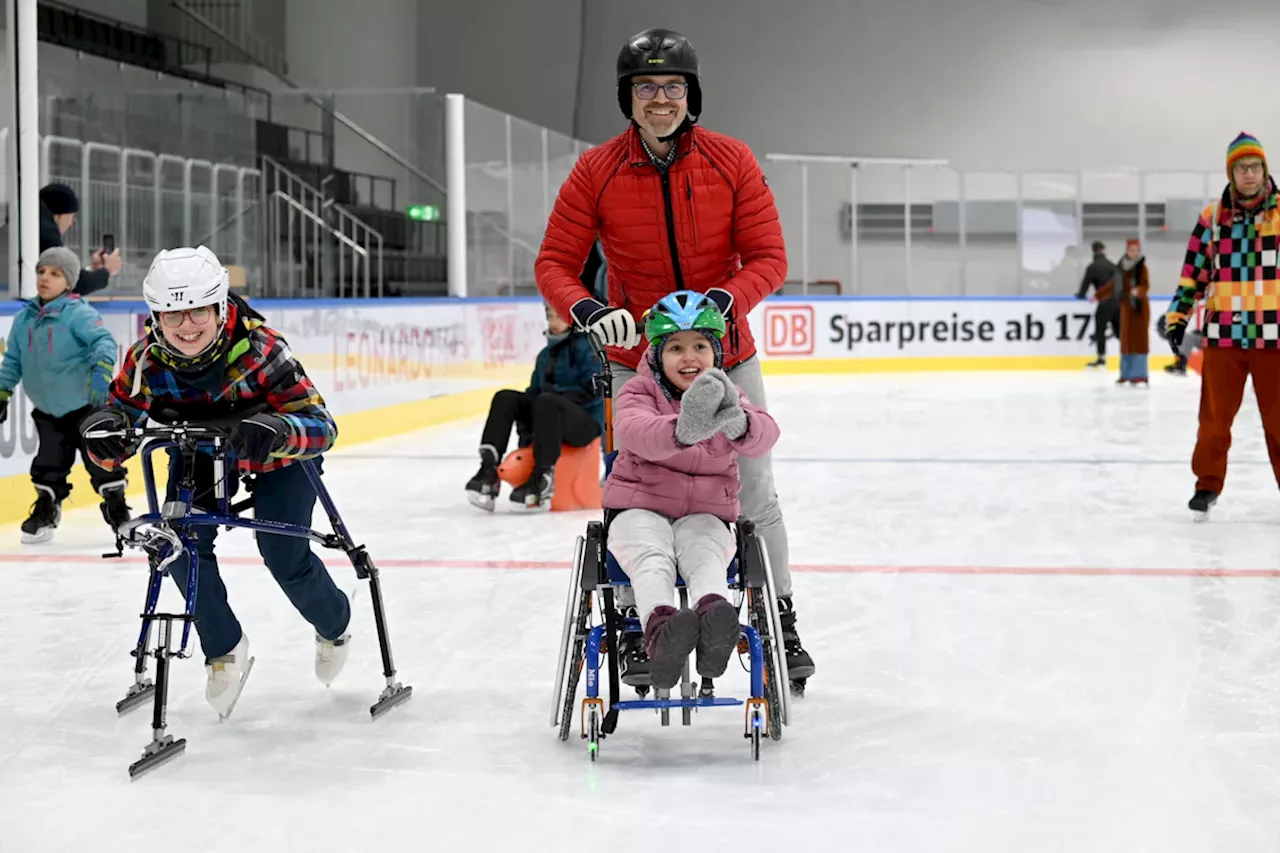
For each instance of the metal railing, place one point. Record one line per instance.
(233, 20)
(891, 226)
(150, 201)
(315, 248)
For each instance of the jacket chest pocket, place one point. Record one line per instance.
(50, 343)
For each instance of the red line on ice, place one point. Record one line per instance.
(816, 568)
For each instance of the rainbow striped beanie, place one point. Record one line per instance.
(1244, 145)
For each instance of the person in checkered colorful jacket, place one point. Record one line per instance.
(1231, 265)
(207, 356)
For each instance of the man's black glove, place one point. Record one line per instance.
(614, 327)
(255, 438)
(115, 447)
(723, 300)
(4, 408)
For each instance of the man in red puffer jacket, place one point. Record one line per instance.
(675, 207)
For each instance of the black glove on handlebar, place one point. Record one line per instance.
(116, 447)
(255, 439)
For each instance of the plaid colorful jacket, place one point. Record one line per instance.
(259, 368)
(1231, 264)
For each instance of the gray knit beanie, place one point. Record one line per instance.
(64, 259)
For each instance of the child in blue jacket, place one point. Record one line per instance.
(65, 359)
(560, 406)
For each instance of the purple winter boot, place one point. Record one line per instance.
(670, 636)
(718, 632)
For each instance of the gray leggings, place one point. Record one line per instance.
(759, 498)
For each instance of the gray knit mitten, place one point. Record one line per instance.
(696, 421)
(731, 392)
(732, 422)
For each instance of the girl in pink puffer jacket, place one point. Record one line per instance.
(679, 426)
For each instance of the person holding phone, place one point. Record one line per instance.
(58, 208)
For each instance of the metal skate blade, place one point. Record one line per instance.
(478, 500)
(163, 755)
(390, 698)
(223, 717)
(1199, 517)
(136, 699)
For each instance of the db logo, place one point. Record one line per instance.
(788, 330)
(498, 332)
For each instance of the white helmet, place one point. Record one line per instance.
(186, 278)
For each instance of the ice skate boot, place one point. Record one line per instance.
(1200, 503)
(800, 666)
(46, 513)
(536, 493)
(115, 511)
(633, 663)
(482, 489)
(331, 657)
(226, 676)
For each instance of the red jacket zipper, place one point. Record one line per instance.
(693, 218)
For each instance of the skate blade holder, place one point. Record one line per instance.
(140, 693)
(163, 747)
(159, 752)
(395, 694)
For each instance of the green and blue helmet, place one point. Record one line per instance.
(682, 311)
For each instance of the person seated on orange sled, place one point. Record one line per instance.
(560, 406)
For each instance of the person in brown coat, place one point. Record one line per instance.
(1133, 282)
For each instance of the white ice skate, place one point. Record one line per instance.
(226, 677)
(331, 657)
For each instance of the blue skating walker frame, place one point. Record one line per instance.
(594, 578)
(165, 534)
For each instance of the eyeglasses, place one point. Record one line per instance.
(1248, 168)
(199, 316)
(649, 91)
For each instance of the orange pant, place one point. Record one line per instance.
(1222, 381)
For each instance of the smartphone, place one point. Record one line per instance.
(108, 243)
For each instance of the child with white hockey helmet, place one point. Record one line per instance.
(680, 425)
(208, 356)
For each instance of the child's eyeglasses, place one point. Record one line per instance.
(199, 316)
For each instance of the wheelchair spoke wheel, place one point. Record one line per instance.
(773, 687)
(575, 663)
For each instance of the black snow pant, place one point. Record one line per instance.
(59, 440)
(547, 421)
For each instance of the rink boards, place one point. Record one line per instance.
(387, 367)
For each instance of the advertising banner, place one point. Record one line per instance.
(835, 328)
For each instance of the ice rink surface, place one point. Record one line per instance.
(1023, 644)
